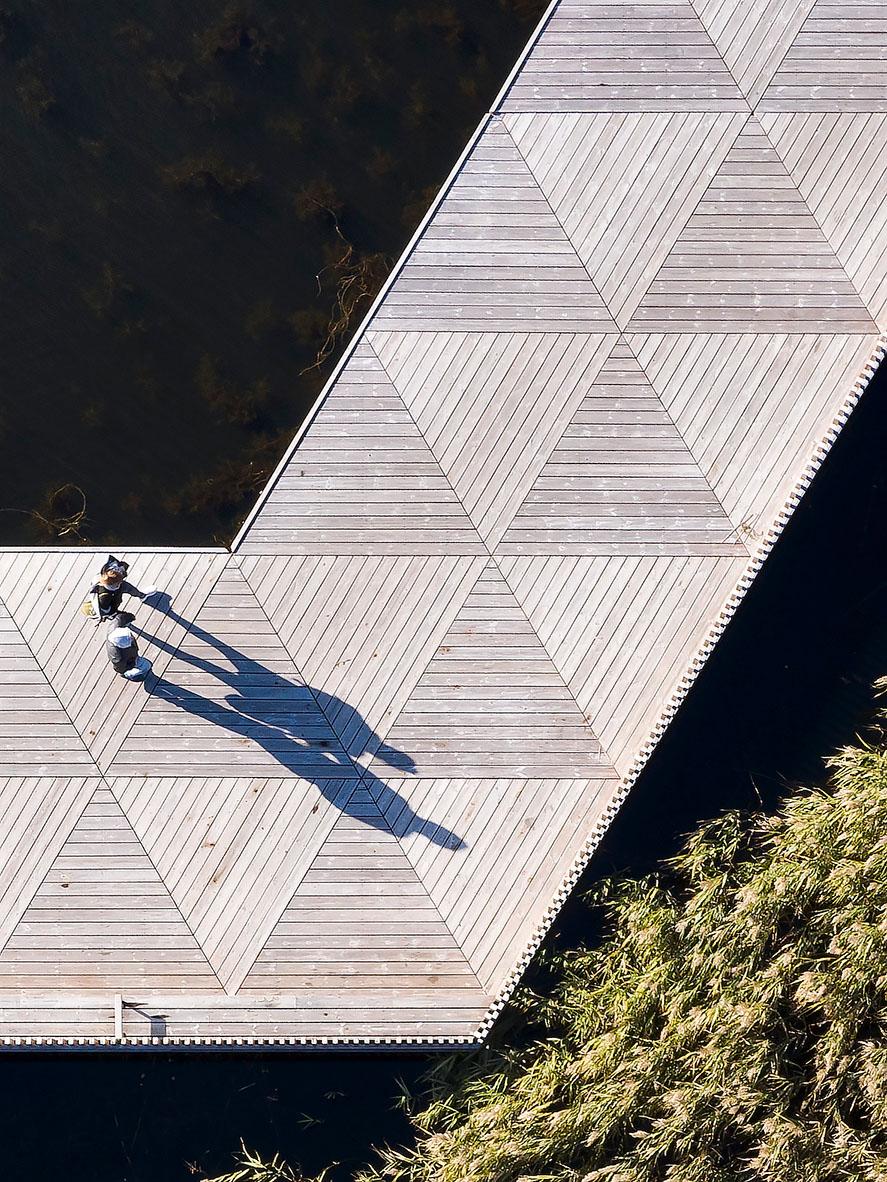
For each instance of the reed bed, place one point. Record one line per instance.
(729, 1027)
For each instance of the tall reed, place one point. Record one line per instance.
(730, 1027)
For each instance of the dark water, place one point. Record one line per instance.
(790, 680)
(172, 175)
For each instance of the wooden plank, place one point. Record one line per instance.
(812, 77)
(364, 955)
(753, 36)
(351, 442)
(228, 853)
(81, 935)
(752, 189)
(492, 406)
(494, 210)
(42, 739)
(231, 696)
(372, 752)
(839, 163)
(624, 57)
(622, 185)
(621, 631)
(362, 630)
(751, 406)
(472, 739)
(577, 502)
(45, 593)
(519, 840)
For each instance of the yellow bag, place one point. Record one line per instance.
(87, 608)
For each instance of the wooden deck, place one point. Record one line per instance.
(387, 729)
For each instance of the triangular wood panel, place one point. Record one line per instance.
(231, 851)
(363, 628)
(624, 57)
(37, 814)
(839, 163)
(491, 701)
(615, 622)
(752, 257)
(753, 36)
(621, 480)
(361, 918)
(595, 170)
(494, 257)
(518, 840)
(231, 701)
(102, 919)
(837, 62)
(44, 591)
(363, 480)
(37, 737)
(752, 408)
(492, 406)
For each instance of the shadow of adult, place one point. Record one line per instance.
(297, 724)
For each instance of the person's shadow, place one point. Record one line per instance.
(291, 721)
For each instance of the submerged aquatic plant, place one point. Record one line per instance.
(230, 404)
(210, 173)
(730, 1027)
(228, 484)
(356, 277)
(195, 125)
(60, 517)
(35, 95)
(238, 33)
(109, 292)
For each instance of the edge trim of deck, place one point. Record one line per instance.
(820, 453)
(392, 276)
(427, 1043)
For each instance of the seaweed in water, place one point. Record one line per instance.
(109, 292)
(261, 320)
(229, 485)
(136, 271)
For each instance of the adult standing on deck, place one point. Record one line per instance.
(106, 595)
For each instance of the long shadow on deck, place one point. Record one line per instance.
(260, 715)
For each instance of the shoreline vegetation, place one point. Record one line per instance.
(730, 1025)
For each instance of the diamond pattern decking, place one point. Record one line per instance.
(384, 732)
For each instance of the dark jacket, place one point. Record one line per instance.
(110, 599)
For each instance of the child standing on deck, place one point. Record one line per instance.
(123, 651)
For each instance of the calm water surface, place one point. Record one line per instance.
(173, 175)
(118, 283)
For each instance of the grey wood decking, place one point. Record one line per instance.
(386, 730)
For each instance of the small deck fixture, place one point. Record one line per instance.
(386, 730)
